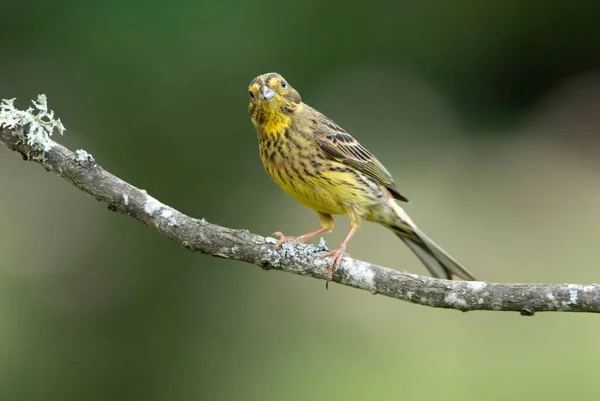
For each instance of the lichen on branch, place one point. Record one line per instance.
(38, 123)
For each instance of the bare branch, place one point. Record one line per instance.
(81, 170)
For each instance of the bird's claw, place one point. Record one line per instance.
(284, 238)
(336, 258)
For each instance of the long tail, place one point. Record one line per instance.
(439, 263)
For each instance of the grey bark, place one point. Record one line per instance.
(81, 170)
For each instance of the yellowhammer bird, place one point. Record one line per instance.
(321, 166)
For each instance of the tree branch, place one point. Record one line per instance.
(81, 170)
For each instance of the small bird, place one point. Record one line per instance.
(323, 167)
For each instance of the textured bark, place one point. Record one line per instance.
(198, 235)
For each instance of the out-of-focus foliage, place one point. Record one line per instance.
(485, 113)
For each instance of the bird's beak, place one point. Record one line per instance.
(266, 93)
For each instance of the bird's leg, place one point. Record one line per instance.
(340, 252)
(326, 226)
(297, 240)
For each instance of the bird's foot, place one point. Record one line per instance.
(285, 238)
(336, 258)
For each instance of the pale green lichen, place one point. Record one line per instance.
(573, 296)
(38, 123)
(454, 300)
(84, 157)
(476, 286)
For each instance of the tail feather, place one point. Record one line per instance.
(433, 265)
(439, 263)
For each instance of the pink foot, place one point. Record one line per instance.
(284, 238)
(336, 258)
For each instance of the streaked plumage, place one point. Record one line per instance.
(323, 167)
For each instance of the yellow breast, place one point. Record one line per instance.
(303, 173)
(312, 191)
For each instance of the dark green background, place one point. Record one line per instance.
(485, 112)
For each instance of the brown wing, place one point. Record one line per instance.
(342, 147)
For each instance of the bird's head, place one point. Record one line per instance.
(272, 99)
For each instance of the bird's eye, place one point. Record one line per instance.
(251, 94)
(283, 83)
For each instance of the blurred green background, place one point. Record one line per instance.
(486, 113)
